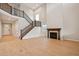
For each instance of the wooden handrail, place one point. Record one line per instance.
(27, 26)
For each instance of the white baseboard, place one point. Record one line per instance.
(72, 39)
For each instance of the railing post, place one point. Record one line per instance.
(11, 10)
(23, 14)
(20, 34)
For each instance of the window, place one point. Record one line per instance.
(37, 17)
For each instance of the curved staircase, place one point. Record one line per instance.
(14, 11)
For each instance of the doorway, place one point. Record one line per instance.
(7, 29)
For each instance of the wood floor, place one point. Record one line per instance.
(6, 38)
(38, 47)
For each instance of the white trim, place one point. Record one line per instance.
(72, 39)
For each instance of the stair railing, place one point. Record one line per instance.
(14, 11)
(17, 12)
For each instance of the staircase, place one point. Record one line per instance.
(13, 11)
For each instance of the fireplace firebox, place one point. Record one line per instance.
(53, 35)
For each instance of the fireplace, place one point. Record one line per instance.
(54, 33)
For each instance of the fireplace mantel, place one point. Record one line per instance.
(58, 29)
(54, 30)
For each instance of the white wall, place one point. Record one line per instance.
(71, 21)
(28, 11)
(14, 29)
(35, 32)
(42, 17)
(71, 18)
(65, 16)
(55, 16)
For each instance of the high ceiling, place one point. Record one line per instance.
(32, 6)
